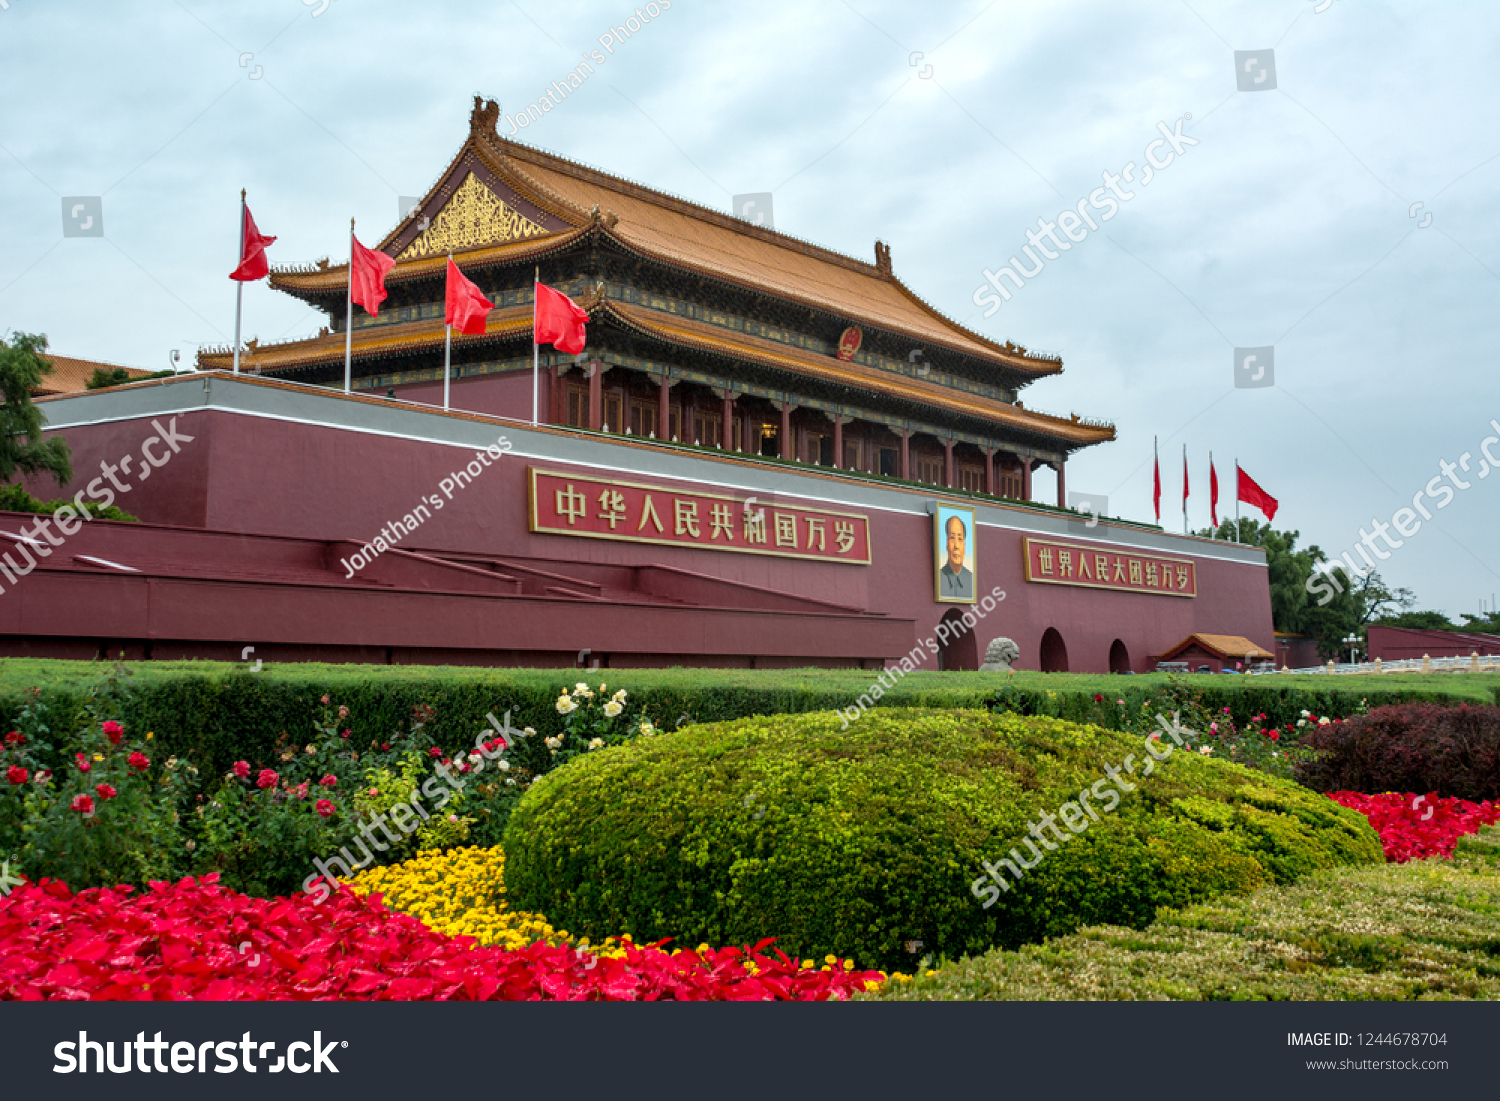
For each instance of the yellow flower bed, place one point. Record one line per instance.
(460, 892)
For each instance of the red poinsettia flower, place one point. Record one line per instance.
(325, 808)
(16, 774)
(106, 791)
(267, 779)
(83, 804)
(113, 731)
(242, 769)
(139, 761)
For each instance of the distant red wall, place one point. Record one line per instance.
(260, 475)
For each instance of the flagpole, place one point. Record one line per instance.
(1236, 498)
(447, 349)
(349, 312)
(1213, 506)
(535, 353)
(239, 286)
(1184, 489)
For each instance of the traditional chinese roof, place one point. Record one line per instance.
(503, 202)
(514, 323)
(69, 376)
(1220, 646)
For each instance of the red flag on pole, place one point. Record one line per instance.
(1184, 477)
(558, 321)
(1252, 494)
(467, 307)
(1156, 482)
(253, 262)
(1213, 493)
(367, 270)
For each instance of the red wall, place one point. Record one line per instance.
(261, 475)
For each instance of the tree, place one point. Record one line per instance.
(1421, 621)
(22, 447)
(1356, 602)
(105, 377)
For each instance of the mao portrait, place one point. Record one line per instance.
(953, 555)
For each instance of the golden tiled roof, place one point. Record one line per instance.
(1223, 646)
(69, 376)
(674, 231)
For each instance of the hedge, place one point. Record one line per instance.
(1424, 930)
(218, 712)
(864, 840)
(1420, 747)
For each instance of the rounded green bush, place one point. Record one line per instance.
(864, 841)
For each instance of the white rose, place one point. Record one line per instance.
(613, 708)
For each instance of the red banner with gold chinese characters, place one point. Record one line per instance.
(1101, 568)
(600, 508)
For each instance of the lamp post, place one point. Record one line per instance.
(1352, 642)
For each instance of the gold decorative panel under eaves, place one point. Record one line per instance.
(473, 217)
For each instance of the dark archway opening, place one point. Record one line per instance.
(961, 650)
(1054, 653)
(1119, 657)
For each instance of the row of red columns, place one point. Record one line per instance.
(664, 430)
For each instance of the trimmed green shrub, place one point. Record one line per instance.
(220, 712)
(1453, 751)
(1427, 929)
(870, 841)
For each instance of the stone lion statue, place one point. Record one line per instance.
(999, 655)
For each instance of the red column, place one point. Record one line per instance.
(596, 396)
(726, 427)
(838, 443)
(989, 471)
(788, 449)
(664, 409)
(1025, 479)
(948, 478)
(751, 443)
(1062, 485)
(557, 401)
(904, 470)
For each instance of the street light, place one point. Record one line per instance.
(1352, 641)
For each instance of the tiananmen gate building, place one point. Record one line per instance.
(769, 454)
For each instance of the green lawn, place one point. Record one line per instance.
(1429, 929)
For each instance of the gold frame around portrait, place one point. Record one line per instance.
(940, 517)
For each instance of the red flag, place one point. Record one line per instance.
(558, 321)
(1252, 494)
(1156, 486)
(466, 306)
(1213, 494)
(367, 270)
(1184, 479)
(253, 262)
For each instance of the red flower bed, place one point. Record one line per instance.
(1416, 826)
(197, 941)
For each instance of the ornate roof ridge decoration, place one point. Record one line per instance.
(473, 216)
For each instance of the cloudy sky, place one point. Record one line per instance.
(1333, 210)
